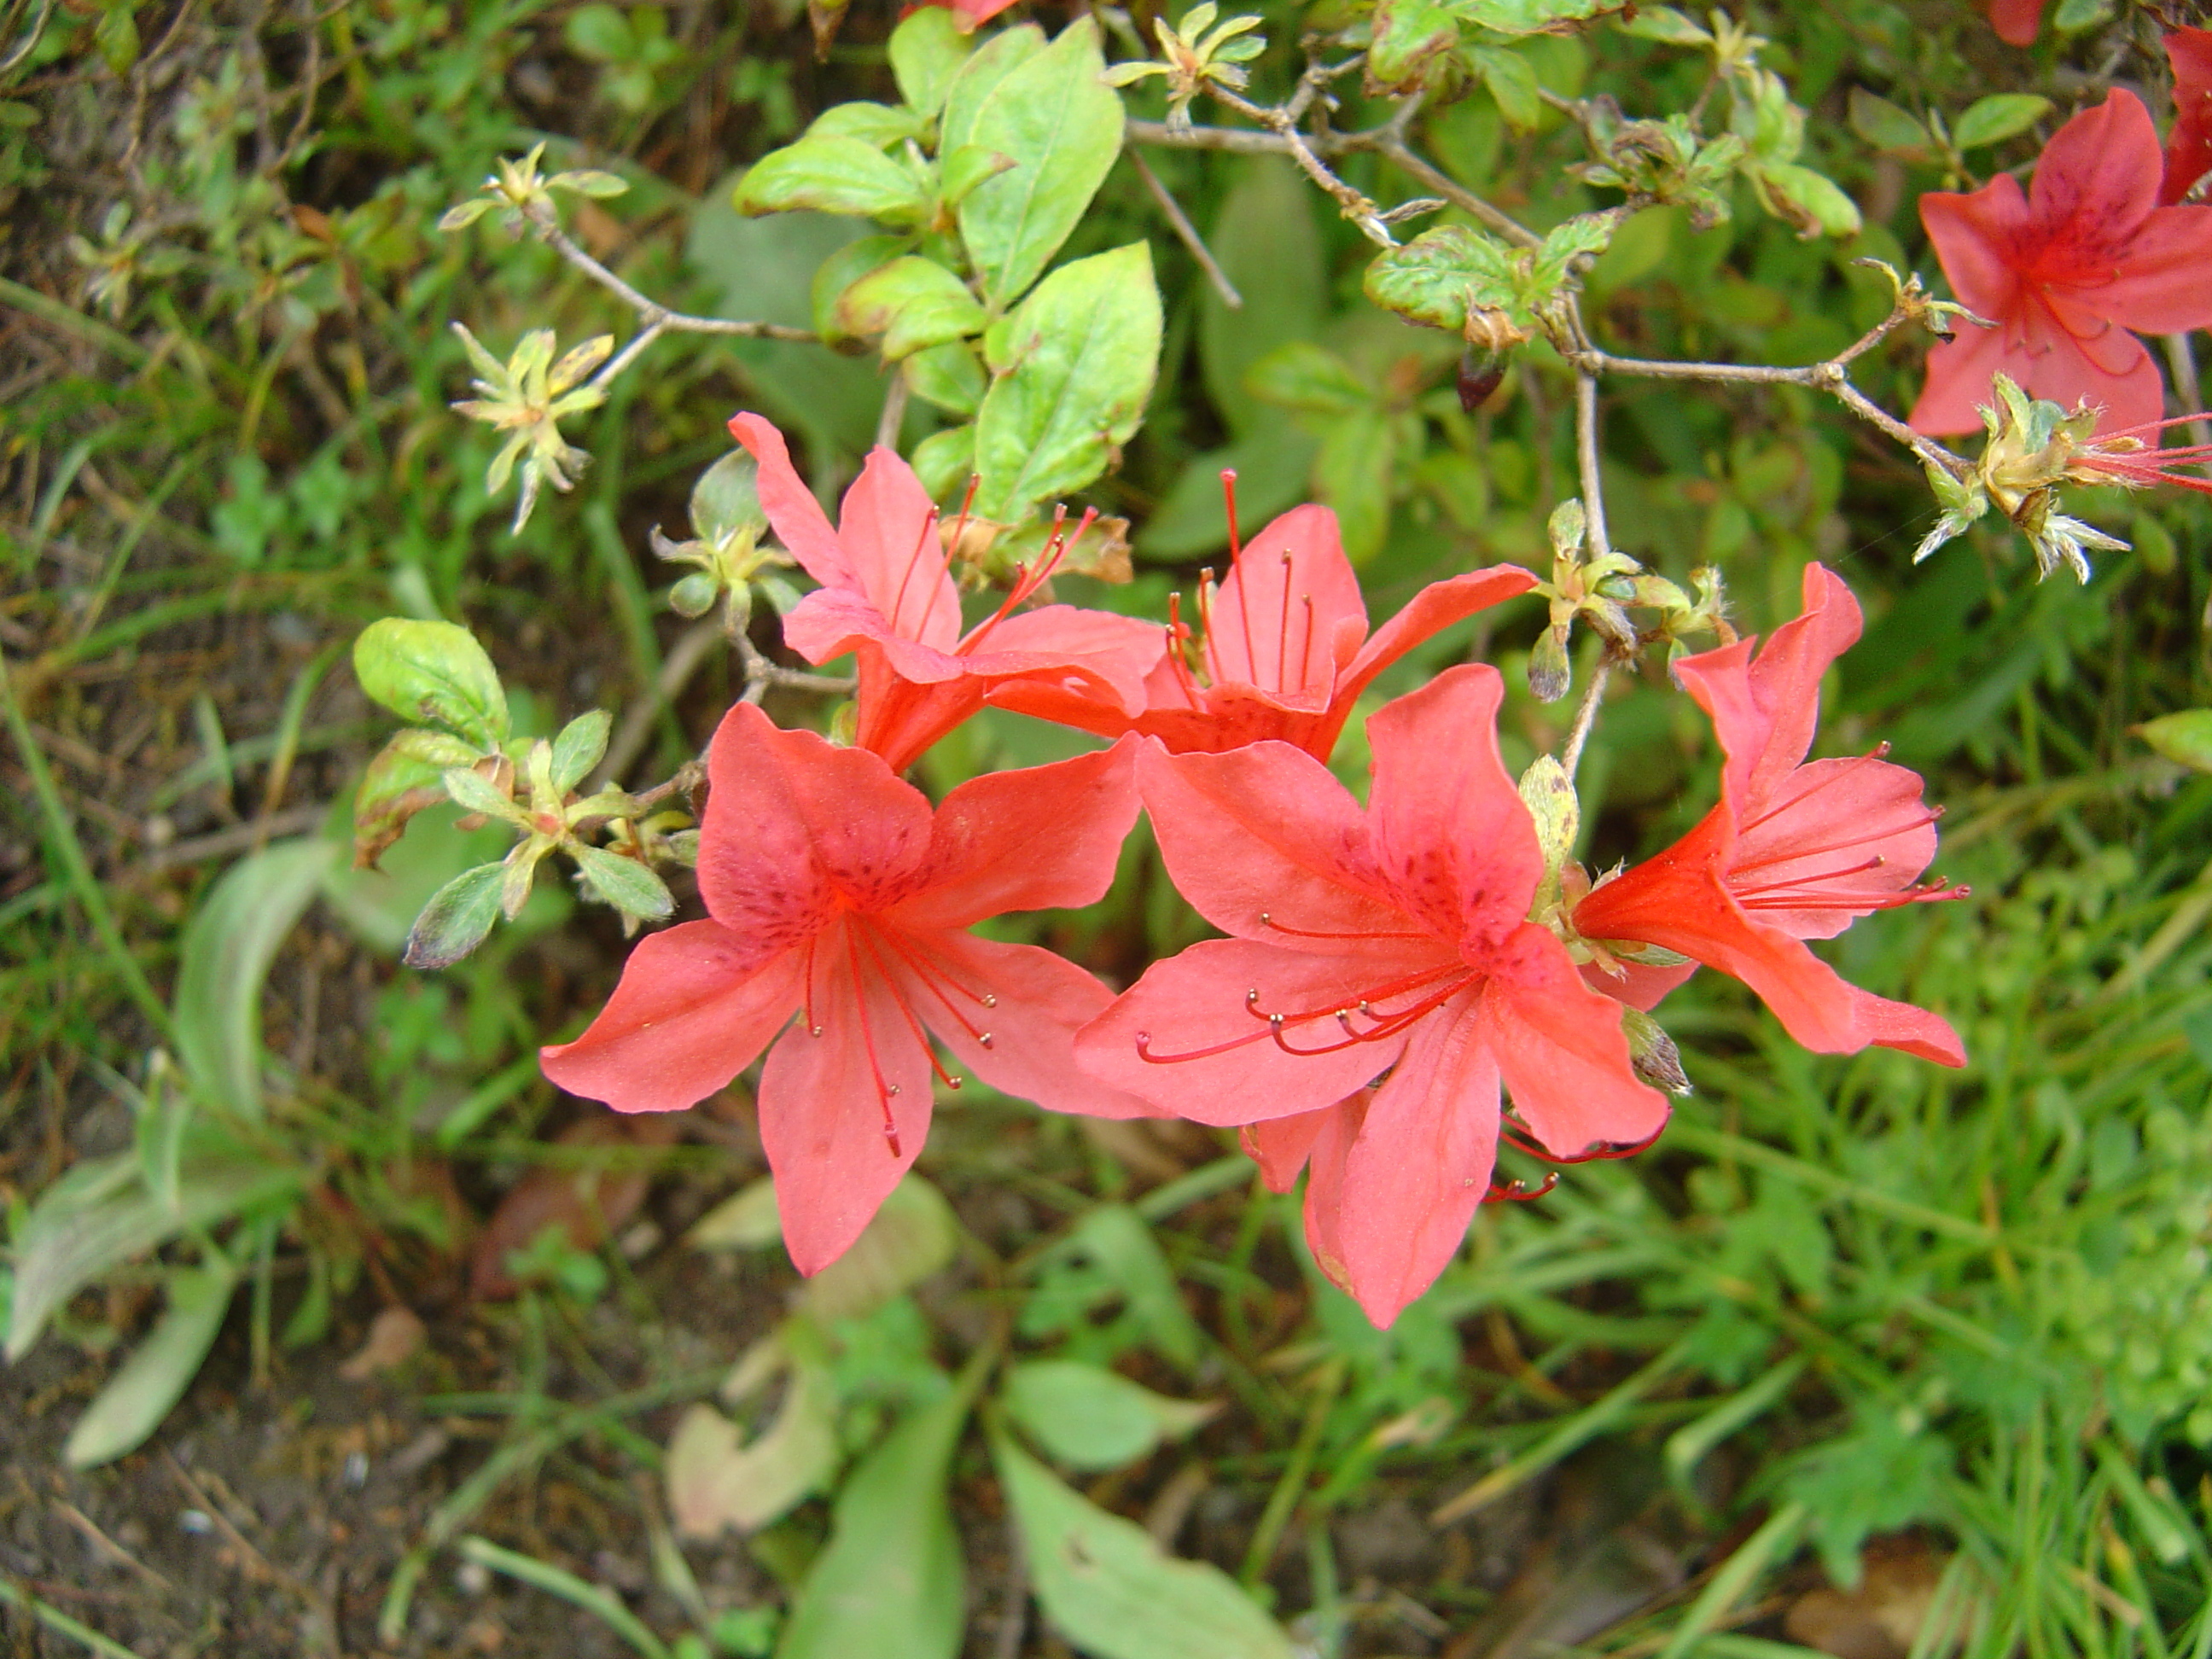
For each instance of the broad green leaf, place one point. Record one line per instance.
(1999, 116)
(624, 883)
(582, 742)
(717, 1479)
(842, 268)
(99, 1215)
(1117, 1242)
(1062, 126)
(832, 175)
(1410, 35)
(457, 918)
(746, 1220)
(1887, 126)
(599, 32)
(1072, 369)
(154, 1377)
(910, 1238)
(226, 952)
(877, 125)
(726, 499)
(1110, 1591)
(434, 673)
(1353, 473)
(407, 776)
(1434, 278)
(926, 50)
(1272, 467)
(1810, 201)
(1269, 247)
(2185, 736)
(1667, 24)
(978, 77)
(1512, 82)
(1089, 1418)
(914, 303)
(1311, 379)
(944, 461)
(889, 1583)
(959, 171)
(1531, 16)
(472, 792)
(950, 376)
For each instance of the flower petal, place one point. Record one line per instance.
(823, 1100)
(831, 621)
(2159, 287)
(1562, 1054)
(2016, 21)
(1106, 656)
(888, 528)
(1038, 1002)
(1430, 612)
(1046, 837)
(2189, 144)
(1281, 1145)
(1960, 371)
(695, 1006)
(1764, 712)
(1978, 238)
(1214, 1060)
(1278, 616)
(1833, 831)
(798, 519)
(1267, 830)
(2095, 183)
(794, 823)
(1393, 1187)
(1451, 833)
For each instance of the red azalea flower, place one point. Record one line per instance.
(2189, 146)
(1285, 651)
(2065, 269)
(835, 894)
(969, 13)
(887, 596)
(1794, 851)
(1395, 939)
(2016, 21)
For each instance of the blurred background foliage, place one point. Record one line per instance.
(1940, 1341)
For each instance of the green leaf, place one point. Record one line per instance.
(1272, 467)
(832, 175)
(1073, 369)
(462, 215)
(1061, 126)
(225, 961)
(1117, 1242)
(718, 1479)
(1108, 1589)
(457, 918)
(1668, 25)
(951, 376)
(99, 1215)
(1531, 16)
(582, 742)
(1512, 82)
(1434, 278)
(914, 303)
(154, 1377)
(926, 50)
(842, 269)
(624, 883)
(407, 776)
(434, 673)
(946, 460)
(116, 37)
(978, 77)
(1410, 35)
(1352, 475)
(877, 125)
(962, 170)
(1887, 127)
(2185, 736)
(1810, 201)
(1310, 379)
(1089, 1418)
(1267, 244)
(599, 32)
(889, 1583)
(1999, 116)
(589, 181)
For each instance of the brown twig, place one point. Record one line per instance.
(1187, 232)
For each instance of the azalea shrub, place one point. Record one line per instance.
(1267, 697)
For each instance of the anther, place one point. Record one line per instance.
(990, 1001)
(814, 1030)
(984, 1040)
(954, 1080)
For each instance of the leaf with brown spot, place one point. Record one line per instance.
(587, 1203)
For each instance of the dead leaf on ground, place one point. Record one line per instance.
(394, 1335)
(588, 1204)
(1880, 1619)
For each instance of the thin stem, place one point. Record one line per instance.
(1285, 125)
(1585, 717)
(1587, 460)
(894, 413)
(2181, 360)
(1189, 233)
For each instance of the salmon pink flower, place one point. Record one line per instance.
(1389, 940)
(1285, 651)
(2065, 269)
(1795, 850)
(2189, 145)
(835, 894)
(887, 596)
(967, 15)
(2016, 21)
